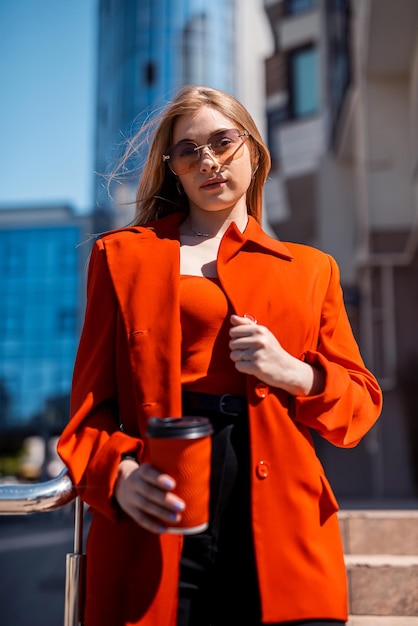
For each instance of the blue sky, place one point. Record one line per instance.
(47, 102)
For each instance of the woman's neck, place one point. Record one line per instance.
(207, 227)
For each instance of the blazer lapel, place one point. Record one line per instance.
(145, 272)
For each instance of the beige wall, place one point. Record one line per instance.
(391, 201)
(336, 201)
(254, 44)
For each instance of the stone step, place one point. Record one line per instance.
(379, 531)
(381, 620)
(382, 585)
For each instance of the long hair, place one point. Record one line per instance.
(158, 193)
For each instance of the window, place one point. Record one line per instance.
(39, 281)
(303, 82)
(66, 321)
(11, 323)
(194, 49)
(339, 55)
(338, 5)
(150, 74)
(293, 7)
(12, 256)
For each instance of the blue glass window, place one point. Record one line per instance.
(293, 7)
(10, 323)
(195, 49)
(304, 82)
(39, 283)
(67, 321)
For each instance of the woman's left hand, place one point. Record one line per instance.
(256, 351)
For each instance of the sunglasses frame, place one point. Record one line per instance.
(166, 157)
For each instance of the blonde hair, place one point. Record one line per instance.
(157, 193)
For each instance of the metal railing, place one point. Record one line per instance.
(23, 499)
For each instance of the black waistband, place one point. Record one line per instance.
(226, 405)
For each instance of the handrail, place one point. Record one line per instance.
(21, 499)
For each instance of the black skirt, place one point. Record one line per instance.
(218, 581)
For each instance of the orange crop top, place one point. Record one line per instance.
(205, 362)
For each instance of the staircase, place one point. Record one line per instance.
(381, 553)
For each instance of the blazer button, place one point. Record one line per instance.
(261, 390)
(262, 470)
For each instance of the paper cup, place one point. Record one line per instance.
(181, 447)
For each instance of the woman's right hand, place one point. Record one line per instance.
(147, 495)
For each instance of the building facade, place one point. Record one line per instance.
(41, 307)
(342, 109)
(146, 51)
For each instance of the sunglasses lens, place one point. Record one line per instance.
(225, 142)
(184, 156)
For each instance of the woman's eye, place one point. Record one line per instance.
(186, 151)
(223, 141)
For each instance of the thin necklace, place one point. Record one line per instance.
(198, 233)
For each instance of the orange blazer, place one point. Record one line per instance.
(128, 369)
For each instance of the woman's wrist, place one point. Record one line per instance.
(304, 379)
(129, 455)
(127, 465)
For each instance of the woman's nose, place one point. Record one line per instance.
(208, 160)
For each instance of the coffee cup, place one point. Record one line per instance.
(181, 447)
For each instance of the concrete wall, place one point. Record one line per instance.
(391, 200)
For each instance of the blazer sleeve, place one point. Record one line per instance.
(92, 443)
(352, 399)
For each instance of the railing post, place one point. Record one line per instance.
(75, 573)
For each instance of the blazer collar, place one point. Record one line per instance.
(253, 235)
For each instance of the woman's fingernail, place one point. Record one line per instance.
(168, 483)
(250, 317)
(179, 506)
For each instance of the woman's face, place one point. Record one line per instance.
(212, 185)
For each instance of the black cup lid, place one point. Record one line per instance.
(190, 427)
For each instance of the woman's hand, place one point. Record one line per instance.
(146, 495)
(256, 351)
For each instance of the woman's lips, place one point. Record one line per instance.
(215, 182)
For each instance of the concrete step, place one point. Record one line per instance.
(380, 620)
(382, 584)
(379, 532)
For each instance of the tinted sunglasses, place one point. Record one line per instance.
(223, 145)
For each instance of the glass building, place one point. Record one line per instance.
(146, 50)
(42, 300)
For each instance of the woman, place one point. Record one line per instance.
(195, 310)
